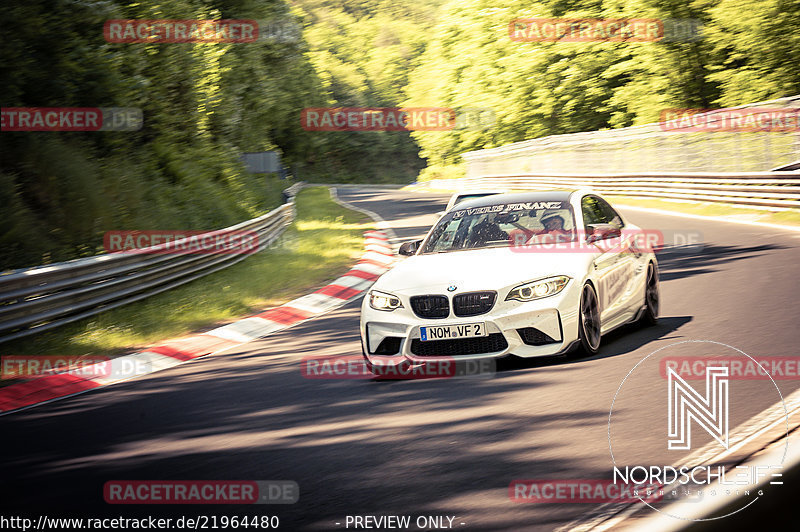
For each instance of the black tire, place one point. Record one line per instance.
(651, 297)
(589, 321)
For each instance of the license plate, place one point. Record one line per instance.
(449, 332)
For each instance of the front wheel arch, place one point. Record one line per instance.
(652, 295)
(589, 324)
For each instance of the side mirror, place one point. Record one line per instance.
(602, 232)
(410, 248)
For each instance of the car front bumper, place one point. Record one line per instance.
(556, 317)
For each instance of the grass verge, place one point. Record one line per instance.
(321, 244)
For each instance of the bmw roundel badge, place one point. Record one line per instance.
(452, 288)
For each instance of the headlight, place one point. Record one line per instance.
(539, 289)
(383, 301)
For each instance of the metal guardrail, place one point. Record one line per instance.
(358, 185)
(41, 298)
(293, 190)
(654, 147)
(761, 189)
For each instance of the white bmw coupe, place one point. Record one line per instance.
(529, 274)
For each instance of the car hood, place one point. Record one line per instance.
(479, 269)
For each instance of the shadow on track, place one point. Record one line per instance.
(684, 261)
(626, 339)
(354, 446)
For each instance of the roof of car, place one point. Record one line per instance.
(517, 197)
(479, 193)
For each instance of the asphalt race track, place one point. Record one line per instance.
(445, 447)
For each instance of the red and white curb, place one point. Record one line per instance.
(377, 259)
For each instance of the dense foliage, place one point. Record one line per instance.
(747, 52)
(204, 104)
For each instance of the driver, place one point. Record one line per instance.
(553, 224)
(486, 231)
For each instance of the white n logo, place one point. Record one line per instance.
(685, 404)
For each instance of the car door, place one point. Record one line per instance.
(611, 266)
(629, 263)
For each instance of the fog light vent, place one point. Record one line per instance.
(389, 346)
(533, 336)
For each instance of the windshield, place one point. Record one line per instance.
(502, 225)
